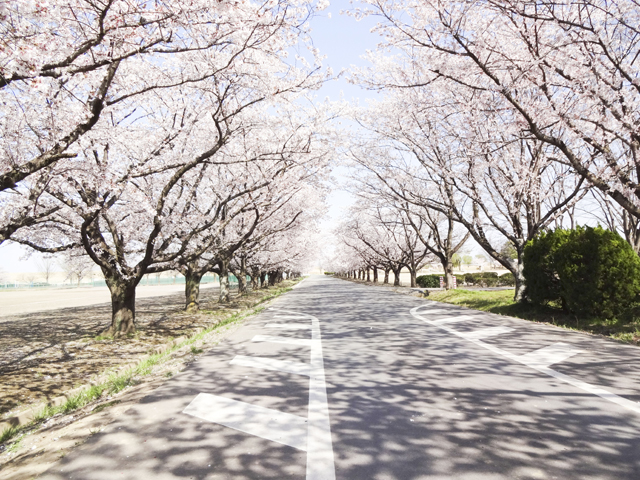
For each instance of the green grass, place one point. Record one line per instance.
(120, 380)
(501, 302)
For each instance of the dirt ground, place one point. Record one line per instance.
(44, 354)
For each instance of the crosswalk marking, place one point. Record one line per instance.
(265, 363)
(544, 357)
(273, 425)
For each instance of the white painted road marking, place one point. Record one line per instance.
(459, 318)
(544, 357)
(587, 387)
(280, 427)
(288, 366)
(320, 462)
(486, 332)
(275, 339)
(289, 326)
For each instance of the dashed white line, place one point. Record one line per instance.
(289, 326)
(486, 332)
(277, 339)
(556, 353)
(265, 363)
(273, 425)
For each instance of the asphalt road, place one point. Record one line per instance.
(343, 381)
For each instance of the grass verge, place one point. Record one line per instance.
(118, 381)
(501, 302)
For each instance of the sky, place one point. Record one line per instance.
(343, 40)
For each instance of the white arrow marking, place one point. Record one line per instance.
(280, 427)
(298, 368)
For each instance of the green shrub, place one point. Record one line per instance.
(592, 271)
(542, 283)
(599, 272)
(489, 275)
(428, 281)
(507, 280)
(470, 278)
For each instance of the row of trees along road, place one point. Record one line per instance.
(505, 118)
(162, 135)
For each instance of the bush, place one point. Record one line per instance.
(592, 271)
(507, 280)
(541, 278)
(599, 272)
(428, 281)
(470, 278)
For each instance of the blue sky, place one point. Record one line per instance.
(343, 40)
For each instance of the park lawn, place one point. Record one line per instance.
(501, 302)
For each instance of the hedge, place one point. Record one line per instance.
(590, 271)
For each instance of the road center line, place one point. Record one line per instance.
(320, 461)
(523, 359)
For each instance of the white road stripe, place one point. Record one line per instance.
(460, 318)
(486, 332)
(289, 326)
(544, 357)
(273, 425)
(320, 462)
(587, 387)
(265, 363)
(276, 339)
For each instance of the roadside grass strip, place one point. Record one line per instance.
(118, 381)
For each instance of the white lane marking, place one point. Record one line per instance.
(320, 462)
(273, 425)
(486, 332)
(546, 356)
(587, 387)
(460, 318)
(289, 326)
(276, 339)
(265, 363)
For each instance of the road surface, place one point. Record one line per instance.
(344, 381)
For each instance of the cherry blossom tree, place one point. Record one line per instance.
(566, 73)
(68, 66)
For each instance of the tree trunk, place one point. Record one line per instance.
(123, 307)
(448, 275)
(396, 274)
(519, 293)
(192, 290)
(263, 279)
(386, 275)
(224, 282)
(375, 274)
(368, 275)
(412, 272)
